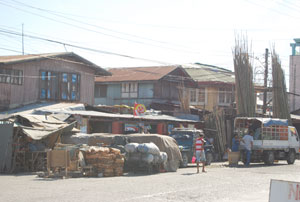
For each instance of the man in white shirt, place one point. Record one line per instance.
(248, 141)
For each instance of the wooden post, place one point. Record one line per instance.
(66, 162)
(265, 82)
(48, 161)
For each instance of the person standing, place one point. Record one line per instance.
(248, 141)
(199, 152)
(235, 143)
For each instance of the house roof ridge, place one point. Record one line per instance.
(12, 59)
(208, 66)
(150, 73)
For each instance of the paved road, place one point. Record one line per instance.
(221, 183)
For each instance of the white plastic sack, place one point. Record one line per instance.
(131, 147)
(148, 158)
(163, 157)
(156, 159)
(150, 148)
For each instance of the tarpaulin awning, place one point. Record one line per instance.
(277, 122)
(38, 134)
(42, 126)
(266, 121)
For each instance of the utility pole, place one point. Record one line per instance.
(23, 38)
(294, 100)
(265, 82)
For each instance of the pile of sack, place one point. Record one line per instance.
(108, 161)
(145, 154)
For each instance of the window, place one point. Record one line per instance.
(70, 86)
(12, 76)
(193, 96)
(225, 96)
(59, 86)
(74, 78)
(20, 79)
(100, 91)
(201, 95)
(129, 90)
(7, 75)
(43, 93)
(65, 77)
(197, 96)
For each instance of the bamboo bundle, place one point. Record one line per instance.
(243, 79)
(215, 124)
(184, 98)
(280, 102)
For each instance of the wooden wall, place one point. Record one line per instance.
(28, 92)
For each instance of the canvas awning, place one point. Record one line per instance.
(266, 121)
(42, 126)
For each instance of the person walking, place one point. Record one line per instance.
(199, 152)
(248, 141)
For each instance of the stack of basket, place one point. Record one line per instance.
(108, 161)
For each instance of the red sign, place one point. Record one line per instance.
(139, 109)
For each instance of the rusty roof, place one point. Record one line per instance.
(137, 74)
(209, 74)
(13, 59)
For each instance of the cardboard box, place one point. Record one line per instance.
(233, 158)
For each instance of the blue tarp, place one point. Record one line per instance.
(270, 122)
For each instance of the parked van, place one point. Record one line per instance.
(274, 139)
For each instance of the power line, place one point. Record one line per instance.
(92, 25)
(81, 47)
(270, 9)
(109, 35)
(287, 5)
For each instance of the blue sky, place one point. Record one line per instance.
(168, 31)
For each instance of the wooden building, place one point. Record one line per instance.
(144, 85)
(66, 77)
(215, 86)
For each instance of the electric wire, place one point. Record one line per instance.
(96, 26)
(81, 47)
(95, 31)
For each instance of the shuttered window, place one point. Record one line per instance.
(129, 90)
(12, 76)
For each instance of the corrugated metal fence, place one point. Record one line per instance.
(6, 133)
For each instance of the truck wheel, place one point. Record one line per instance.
(291, 157)
(269, 158)
(209, 158)
(185, 160)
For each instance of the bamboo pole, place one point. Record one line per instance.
(280, 102)
(246, 99)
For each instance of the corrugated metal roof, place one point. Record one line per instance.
(30, 109)
(208, 73)
(137, 74)
(125, 116)
(78, 109)
(12, 59)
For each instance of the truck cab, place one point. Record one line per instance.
(273, 139)
(186, 142)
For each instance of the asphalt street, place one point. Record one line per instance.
(221, 183)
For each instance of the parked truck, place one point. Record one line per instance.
(274, 139)
(186, 138)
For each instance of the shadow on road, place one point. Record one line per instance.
(194, 173)
(138, 174)
(254, 165)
